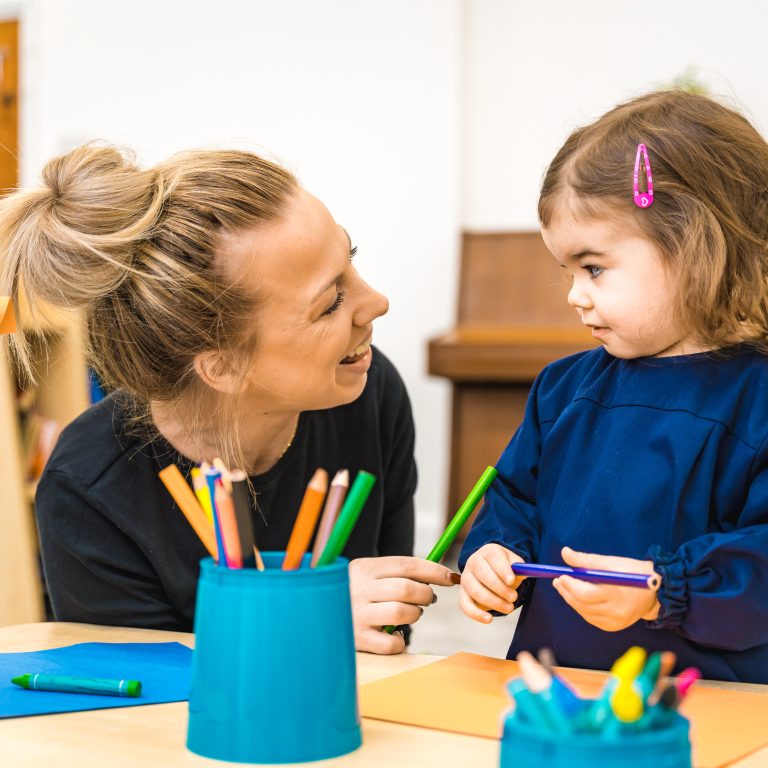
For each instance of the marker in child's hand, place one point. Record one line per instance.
(539, 571)
(69, 684)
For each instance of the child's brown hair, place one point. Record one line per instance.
(709, 218)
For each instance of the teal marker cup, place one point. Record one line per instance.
(273, 671)
(528, 745)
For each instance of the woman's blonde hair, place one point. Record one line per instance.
(136, 251)
(709, 218)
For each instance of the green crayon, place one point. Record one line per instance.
(68, 684)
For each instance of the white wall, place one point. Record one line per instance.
(536, 70)
(360, 98)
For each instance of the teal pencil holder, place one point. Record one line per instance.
(525, 745)
(273, 671)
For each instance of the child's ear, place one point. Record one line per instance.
(218, 372)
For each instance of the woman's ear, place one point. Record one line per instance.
(218, 373)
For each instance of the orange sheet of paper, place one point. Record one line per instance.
(466, 693)
(7, 318)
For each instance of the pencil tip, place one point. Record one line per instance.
(319, 480)
(341, 477)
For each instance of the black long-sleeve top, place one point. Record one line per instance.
(117, 550)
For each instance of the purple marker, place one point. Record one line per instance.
(537, 571)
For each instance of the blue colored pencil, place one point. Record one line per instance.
(211, 476)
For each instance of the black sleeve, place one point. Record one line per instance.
(94, 572)
(397, 529)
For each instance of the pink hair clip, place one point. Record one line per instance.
(643, 200)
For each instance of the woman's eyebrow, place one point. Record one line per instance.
(327, 286)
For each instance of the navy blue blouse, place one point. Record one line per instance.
(664, 459)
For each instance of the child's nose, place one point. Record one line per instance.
(578, 297)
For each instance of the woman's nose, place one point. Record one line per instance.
(372, 304)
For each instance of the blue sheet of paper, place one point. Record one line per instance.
(164, 670)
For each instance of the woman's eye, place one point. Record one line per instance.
(336, 304)
(594, 271)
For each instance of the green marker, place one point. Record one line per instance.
(66, 684)
(353, 506)
(461, 517)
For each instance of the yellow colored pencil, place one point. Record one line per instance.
(201, 491)
(182, 494)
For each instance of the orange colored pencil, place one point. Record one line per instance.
(228, 521)
(333, 503)
(306, 520)
(182, 494)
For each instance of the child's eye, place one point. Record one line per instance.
(352, 253)
(593, 270)
(336, 304)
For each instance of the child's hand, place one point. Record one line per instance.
(607, 606)
(488, 583)
(390, 590)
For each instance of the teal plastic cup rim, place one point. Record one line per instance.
(273, 571)
(668, 735)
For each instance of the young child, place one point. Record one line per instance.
(649, 453)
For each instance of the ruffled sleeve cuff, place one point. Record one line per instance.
(673, 593)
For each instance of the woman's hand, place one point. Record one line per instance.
(607, 606)
(488, 583)
(390, 591)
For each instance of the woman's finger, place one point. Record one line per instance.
(372, 640)
(399, 590)
(390, 613)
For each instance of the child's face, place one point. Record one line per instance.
(621, 288)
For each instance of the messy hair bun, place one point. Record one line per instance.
(136, 251)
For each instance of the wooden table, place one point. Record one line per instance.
(154, 736)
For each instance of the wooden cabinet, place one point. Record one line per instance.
(61, 395)
(512, 320)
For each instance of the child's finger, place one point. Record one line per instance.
(583, 591)
(485, 597)
(472, 610)
(498, 582)
(499, 561)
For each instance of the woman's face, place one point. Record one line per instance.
(314, 322)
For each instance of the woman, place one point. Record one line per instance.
(223, 309)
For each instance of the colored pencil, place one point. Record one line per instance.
(539, 571)
(333, 502)
(353, 506)
(212, 475)
(229, 532)
(182, 494)
(201, 491)
(306, 520)
(225, 479)
(240, 498)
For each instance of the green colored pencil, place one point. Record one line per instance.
(456, 524)
(353, 506)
